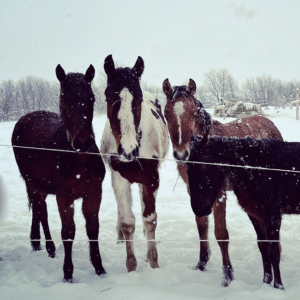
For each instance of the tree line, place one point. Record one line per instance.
(33, 93)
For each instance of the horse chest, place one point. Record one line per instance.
(142, 171)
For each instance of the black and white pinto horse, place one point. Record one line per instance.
(135, 130)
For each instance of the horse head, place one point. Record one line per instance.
(77, 106)
(124, 99)
(186, 117)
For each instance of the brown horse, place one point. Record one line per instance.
(135, 128)
(67, 175)
(186, 118)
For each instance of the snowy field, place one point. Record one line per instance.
(32, 275)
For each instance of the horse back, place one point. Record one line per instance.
(254, 126)
(261, 192)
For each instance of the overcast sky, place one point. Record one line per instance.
(177, 39)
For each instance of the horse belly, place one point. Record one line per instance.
(38, 170)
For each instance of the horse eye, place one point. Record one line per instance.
(109, 101)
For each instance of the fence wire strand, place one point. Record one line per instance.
(155, 158)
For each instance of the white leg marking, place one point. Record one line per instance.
(123, 196)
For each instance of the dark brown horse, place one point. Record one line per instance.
(264, 194)
(67, 175)
(186, 118)
(135, 128)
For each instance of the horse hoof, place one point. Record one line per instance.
(51, 254)
(101, 272)
(68, 280)
(279, 286)
(268, 278)
(200, 266)
(228, 275)
(154, 265)
(36, 247)
(226, 282)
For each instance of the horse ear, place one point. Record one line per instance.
(138, 68)
(192, 87)
(60, 73)
(167, 88)
(109, 65)
(89, 74)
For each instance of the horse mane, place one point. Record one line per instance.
(204, 120)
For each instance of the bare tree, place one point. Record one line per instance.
(7, 99)
(221, 84)
(264, 90)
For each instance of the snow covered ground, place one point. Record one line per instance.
(32, 275)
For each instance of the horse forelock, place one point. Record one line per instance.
(179, 91)
(76, 83)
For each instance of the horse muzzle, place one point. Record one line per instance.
(181, 155)
(127, 157)
(82, 144)
(201, 210)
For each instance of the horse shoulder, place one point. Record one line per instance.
(154, 141)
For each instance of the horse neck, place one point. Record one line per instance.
(217, 128)
(154, 136)
(203, 120)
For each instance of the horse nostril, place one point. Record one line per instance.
(82, 146)
(120, 150)
(77, 145)
(129, 156)
(181, 155)
(135, 152)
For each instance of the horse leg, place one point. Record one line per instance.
(272, 231)
(90, 209)
(39, 215)
(149, 216)
(263, 247)
(126, 221)
(202, 225)
(66, 211)
(50, 246)
(34, 199)
(120, 235)
(222, 236)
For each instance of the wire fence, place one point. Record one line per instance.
(159, 159)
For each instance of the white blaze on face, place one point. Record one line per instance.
(179, 110)
(125, 115)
